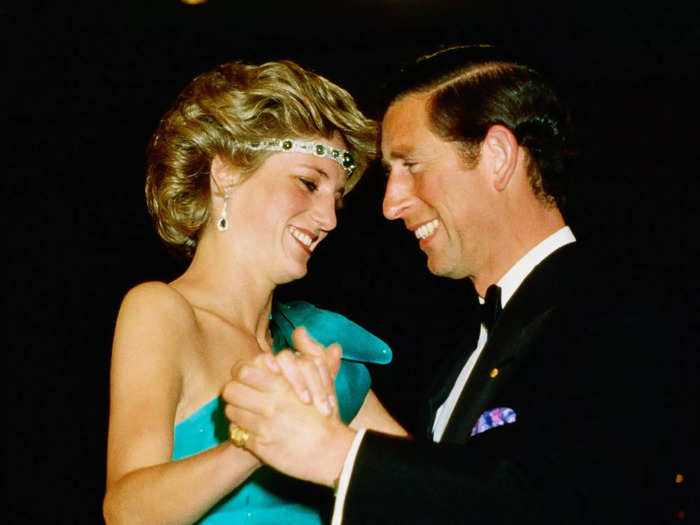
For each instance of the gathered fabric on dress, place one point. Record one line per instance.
(268, 497)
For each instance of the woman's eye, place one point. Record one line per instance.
(310, 185)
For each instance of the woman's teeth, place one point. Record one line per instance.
(305, 239)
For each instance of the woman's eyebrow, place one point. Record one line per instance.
(314, 168)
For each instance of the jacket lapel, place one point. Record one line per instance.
(449, 368)
(522, 321)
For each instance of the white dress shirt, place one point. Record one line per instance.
(509, 283)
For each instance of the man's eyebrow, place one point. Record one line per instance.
(400, 151)
(397, 154)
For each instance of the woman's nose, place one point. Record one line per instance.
(324, 214)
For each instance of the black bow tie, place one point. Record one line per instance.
(491, 308)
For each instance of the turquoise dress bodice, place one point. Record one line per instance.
(268, 497)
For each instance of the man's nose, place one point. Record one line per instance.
(397, 196)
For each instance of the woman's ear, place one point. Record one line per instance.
(221, 176)
(501, 147)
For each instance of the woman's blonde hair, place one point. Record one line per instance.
(222, 109)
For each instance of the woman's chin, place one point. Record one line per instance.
(294, 274)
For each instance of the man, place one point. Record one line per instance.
(559, 410)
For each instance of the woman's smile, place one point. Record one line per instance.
(305, 238)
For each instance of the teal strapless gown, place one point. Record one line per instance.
(268, 497)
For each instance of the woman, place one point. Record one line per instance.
(244, 174)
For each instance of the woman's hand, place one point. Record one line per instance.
(310, 371)
(286, 432)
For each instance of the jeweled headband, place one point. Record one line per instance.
(342, 157)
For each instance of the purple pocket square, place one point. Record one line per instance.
(493, 418)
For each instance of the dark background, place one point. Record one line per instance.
(87, 83)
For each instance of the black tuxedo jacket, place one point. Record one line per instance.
(585, 370)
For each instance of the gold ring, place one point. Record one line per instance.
(239, 436)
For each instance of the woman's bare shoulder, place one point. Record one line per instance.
(155, 315)
(155, 335)
(157, 291)
(160, 302)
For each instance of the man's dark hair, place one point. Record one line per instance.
(475, 87)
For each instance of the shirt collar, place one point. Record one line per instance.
(512, 279)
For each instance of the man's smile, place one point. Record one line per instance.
(426, 230)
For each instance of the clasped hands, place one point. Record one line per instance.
(287, 405)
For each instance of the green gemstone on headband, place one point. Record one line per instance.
(348, 160)
(344, 158)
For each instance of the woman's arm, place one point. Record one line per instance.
(313, 370)
(374, 416)
(155, 328)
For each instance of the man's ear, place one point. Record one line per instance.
(221, 176)
(501, 148)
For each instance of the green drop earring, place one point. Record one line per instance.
(222, 223)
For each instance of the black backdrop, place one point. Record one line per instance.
(87, 82)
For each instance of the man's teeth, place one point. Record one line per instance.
(301, 237)
(427, 229)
